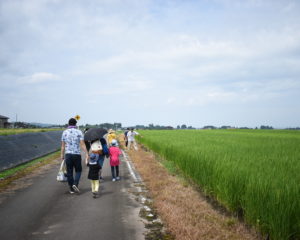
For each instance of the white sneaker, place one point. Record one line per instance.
(113, 179)
(76, 189)
(117, 178)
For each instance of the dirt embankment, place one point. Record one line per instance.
(184, 210)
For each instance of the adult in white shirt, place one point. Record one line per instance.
(71, 144)
(131, 139)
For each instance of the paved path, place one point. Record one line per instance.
(46, 210)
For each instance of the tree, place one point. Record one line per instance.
(183, 126)
(266, 127)
(117, 125)
(209, 127)
(226, 127)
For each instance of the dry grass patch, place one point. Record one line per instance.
(185, 212)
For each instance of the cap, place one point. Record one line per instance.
(93, 158)
(114, 142)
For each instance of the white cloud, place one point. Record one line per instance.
(127, 87)
(174, 53)
(39, 78)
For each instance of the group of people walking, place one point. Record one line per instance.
(72, 142)
(129, 137)
(98, 151)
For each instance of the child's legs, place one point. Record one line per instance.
(117, 171)
(95, 185)
(113, 171)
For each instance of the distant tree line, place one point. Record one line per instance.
(118, 126)
(230, 127)
(151, 126)
(296, 128)
(266, 127)
(33, 125)
(23, 125)
(114, 126)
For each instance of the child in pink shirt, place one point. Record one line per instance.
(114, 153)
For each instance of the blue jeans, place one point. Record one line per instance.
(101, 160)
(73, 161)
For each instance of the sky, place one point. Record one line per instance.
(161, 62)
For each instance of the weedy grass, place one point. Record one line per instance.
(9, 175)
(254, 173)
(13, 131)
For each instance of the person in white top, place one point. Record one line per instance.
(71, 142)
(131, 139)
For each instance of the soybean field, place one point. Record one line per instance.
(255, 173)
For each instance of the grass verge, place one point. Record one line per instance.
(185, 212)
(10, 131)
(9, 175)
(253, 173)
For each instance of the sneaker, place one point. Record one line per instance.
(76, 189)
(113, 179)
(94, 195)
(71, 191)
(118, 178)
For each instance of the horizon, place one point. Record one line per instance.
(174, 127)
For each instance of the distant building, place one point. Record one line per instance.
(4, 122)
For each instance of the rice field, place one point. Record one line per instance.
(255, 173)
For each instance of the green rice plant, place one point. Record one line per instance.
(254, 173)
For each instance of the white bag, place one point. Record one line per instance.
(62, 172)
(96, 146)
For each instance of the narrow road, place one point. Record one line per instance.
(46, 210)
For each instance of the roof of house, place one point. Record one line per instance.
(3, 117)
